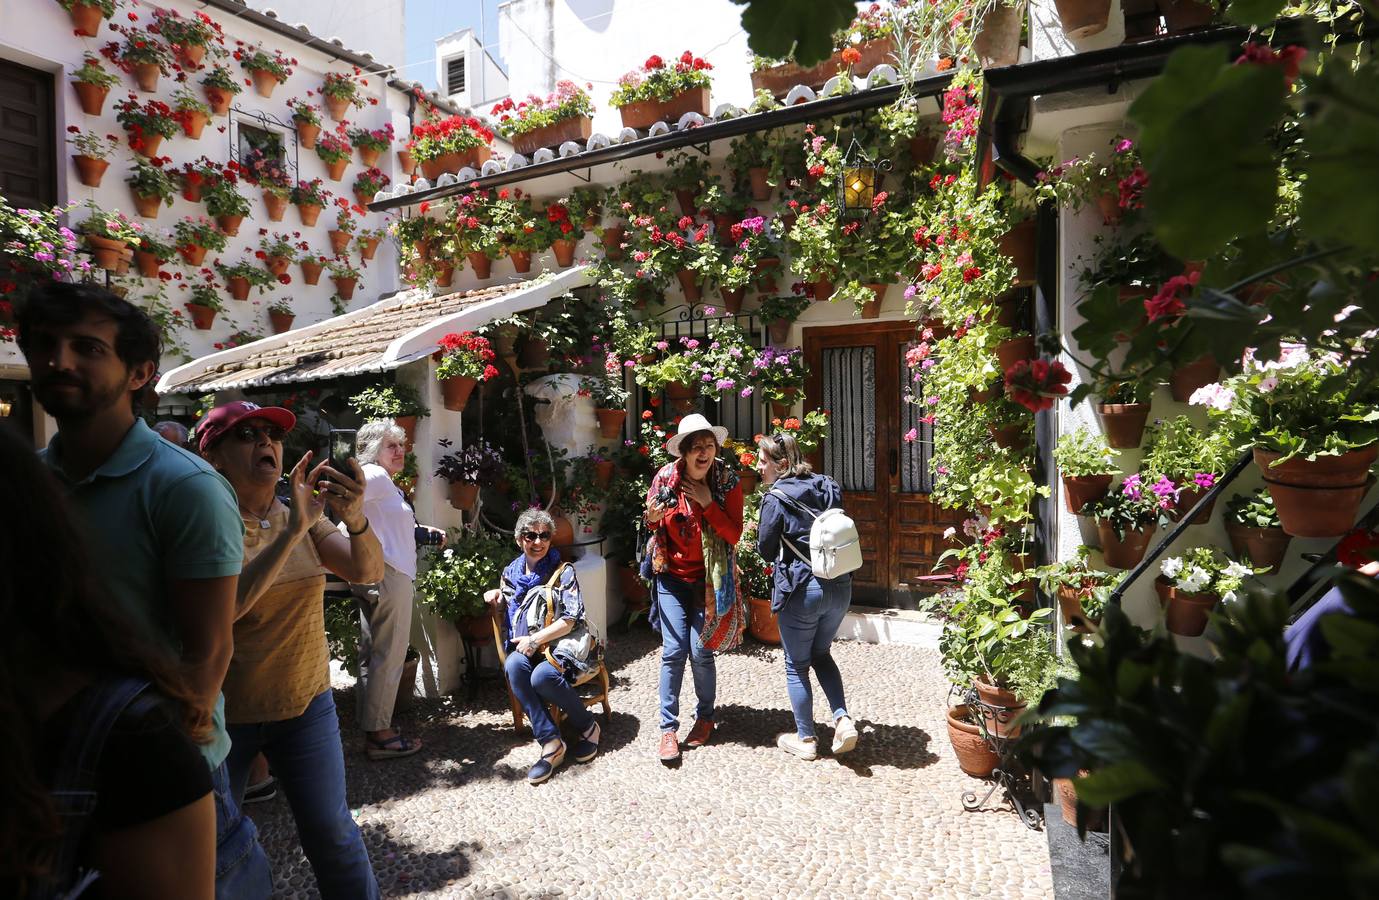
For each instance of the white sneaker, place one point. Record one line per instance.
(804, 748)
(844, 735)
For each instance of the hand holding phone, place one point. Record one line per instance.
(342, 449)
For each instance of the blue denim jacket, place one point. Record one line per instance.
(781, 521)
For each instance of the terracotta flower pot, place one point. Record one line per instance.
(1318, 498)
(218, 99)
(1198, 373)
(277, 264)
(336, 170)
(1187, 499)
(1184, 613)
(610, 421)
(105, 253)
(456, 390)
(689, 284)
(368, 156)
(535, 353)
(612, 241)
(363, 197)
(685, 197)
(1019, 244)
(871, 309)
(344, 287)
(1070, 604)
(564, 533)
(476, 628)
(229, 224)
(445, 275)
(146, 75)
(405, 160)
(1066, 793)
(91, 97)
(1123, 423)
(280, 321)
(821, 289)
(339, 240)
(309, 213)
(1079, 490)
(575, 128)
(202, 316)
(1012, 437)
(265, 82)
(998, 41)
(564, 251)
(126, 257)
(1083, 18)
(762, 624)
(1008, 353)
(311, 271)
(779, 330)
(408, 424)
(645, 113)
(1000, 709)
(148, 206)
(433, 168)
(238, 287)
(1261, 546)
(761, 188)
(749, 481)
(521, 260)
(633, 589)
(975, 756)
(481, 264)
(191, 53)
(275, 206)
(732, 299)
(368, 247)
(603, 472)
(1108, 205)
(723, 228)
(922, 147)
(192, 191)
(148, 264)
(765, 270)
(86, 20)
(463, 496)
(307, 132)
(1124, 553)
(194, 123)
(90, 170)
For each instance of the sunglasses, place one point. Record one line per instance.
(532, 537)
(249, 434)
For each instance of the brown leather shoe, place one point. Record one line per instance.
(701, 732)
(670, 747)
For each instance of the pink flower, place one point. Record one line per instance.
(912, 435)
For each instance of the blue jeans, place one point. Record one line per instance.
(809, 622)
(681, 612)
(535, 682)
(305, 755)
(241, 867)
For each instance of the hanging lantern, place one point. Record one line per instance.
(860, 181)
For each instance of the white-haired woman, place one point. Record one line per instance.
(534, 681)
(385, 608)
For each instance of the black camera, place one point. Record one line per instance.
(425, 537)
(665, 497)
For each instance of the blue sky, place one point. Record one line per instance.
(430, 19)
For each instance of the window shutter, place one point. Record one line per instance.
(454, 75)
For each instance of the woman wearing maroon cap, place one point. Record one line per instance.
(277, 692)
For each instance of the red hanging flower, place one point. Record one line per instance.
(1036, 383)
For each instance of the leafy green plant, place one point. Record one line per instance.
(1254, 510)
(1179, 450)
(388, 401)
(1084, 451)
(92, 72)
(223, 198)
(147, 179)
(1078, 574)
(783, 306)
(453, 581)
(1130, 507)
(654, 80)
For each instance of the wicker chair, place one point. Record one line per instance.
(594, 699)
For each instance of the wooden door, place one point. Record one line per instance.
(28, 151)
(858, 374)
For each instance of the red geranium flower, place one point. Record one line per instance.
(1036, 383)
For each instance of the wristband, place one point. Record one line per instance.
(353, 533)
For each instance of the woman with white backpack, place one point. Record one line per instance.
(810, 608)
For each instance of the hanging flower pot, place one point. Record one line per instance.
(229, 224)
(105, 252)
(311, 271)
(202, 316)
(265, 82)
(603, 472)
(762, 624)
(1000, 708)
(126, 257)
(339, 240)
(191, 53)
(1196, 374)
(148, 264)
(1011, 437)
(610, 421)
(408, 424)
(193, 123)
(1188, 495)
(369, 156)
(1019, 244)
(761, 187)
(362, 198)
(1083, 18)
(680, 396)
(780, 409)
(192, 190)
(456, 390)
(335, 170)
(405, 160)
(368, 247)
(309, 213)
(146, 76)
(1008, 353)
(90, 170)
(685, 197)
(997, 42)
(480, 263)
(1126, 552)
(504, 340)
(1263, 547)
(689, 284)
(1320, 497)
(564, 251)
(521, 260)
(91, 97)
(821, 288)
(1123, 423)
(463, 496)
(149, 148)
(1184, 613)
(344, 287)
(1108, 205)
(1079, 490)
(975, 756)
(148, 205)
(86, 18)
(218, 99)
(723, 228)
(612, 241)
(563, 535)
(535, 353)
(238, 287)
(748, 480)
(1070, 604)
(732, 299)
(445, 275)
(765, 270)
(922, 147)
(871, 309)
(779, 330)
(275, 205)
(277, 264)
(281, 321)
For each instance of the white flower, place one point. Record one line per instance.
(855, 37)
(949, 532)
(1237, 570)
(1195, 580)
(448, 553)
(1229, 597)
(1171, 566)
(1267, 384)
(1216, 396)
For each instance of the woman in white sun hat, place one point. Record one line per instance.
(695, 510)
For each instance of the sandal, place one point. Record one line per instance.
(546, 765)
(391, 748)
(588, 746)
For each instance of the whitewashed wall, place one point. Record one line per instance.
(377, 27)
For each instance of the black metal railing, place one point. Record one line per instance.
(742, 416)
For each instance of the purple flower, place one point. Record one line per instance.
(1204, 480)
(1131, 487)
(910, 291)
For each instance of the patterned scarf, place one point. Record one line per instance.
(517, 575)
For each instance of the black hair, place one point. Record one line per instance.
(58, 303)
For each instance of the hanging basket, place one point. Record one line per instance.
(1126, 552)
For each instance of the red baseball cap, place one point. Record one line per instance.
(223, 418)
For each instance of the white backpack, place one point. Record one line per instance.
(835, 547)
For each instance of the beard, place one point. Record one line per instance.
(67, 397)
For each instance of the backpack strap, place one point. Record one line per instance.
(795, 503)
(785, 541)
(74, 780)
(551, 585)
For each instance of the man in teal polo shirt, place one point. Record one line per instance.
(163, 528)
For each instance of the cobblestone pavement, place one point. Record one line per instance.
(738, 818)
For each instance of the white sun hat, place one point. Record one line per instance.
(690, 424)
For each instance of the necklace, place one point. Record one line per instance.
(263, 519)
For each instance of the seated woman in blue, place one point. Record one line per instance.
(534, 681)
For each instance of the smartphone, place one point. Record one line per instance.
(342, 448)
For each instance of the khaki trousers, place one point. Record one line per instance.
(385, 622)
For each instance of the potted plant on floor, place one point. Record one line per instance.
(537, 122)
(92, 83)
(656, 92)
(1255, 532)
(340, 91)
(267, 69)
(400, 402)
(220, 88)
(1189, 587)
(477, 465)
(1087, 465)
(1126, 519)
(762, 623)
(226, 204)
(150, 185)
(452, 582)
(463, 361)
(1081, 589)
(371, 142)
(92, 154)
